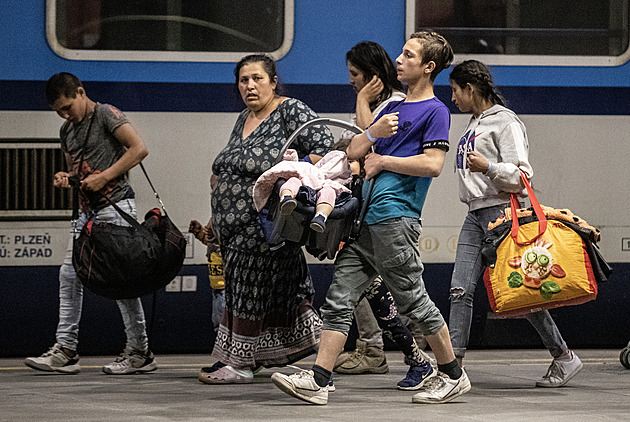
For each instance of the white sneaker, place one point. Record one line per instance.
(560, 372)
(441, 389)
(301, 385)
(55, 360)
(131, 361)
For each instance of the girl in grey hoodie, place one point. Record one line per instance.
(490, 156)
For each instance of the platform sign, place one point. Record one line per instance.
(33, 246)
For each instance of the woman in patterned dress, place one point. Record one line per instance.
(268, 318)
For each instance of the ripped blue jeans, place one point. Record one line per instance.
(467, 272)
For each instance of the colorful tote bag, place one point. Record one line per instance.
(542, 264)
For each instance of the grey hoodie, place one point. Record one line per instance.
(500, 136)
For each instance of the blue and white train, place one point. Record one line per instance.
(169, 66)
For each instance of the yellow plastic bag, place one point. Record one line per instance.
(555, 270)
(541, 265)
(215, 270)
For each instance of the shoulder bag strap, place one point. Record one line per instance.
(75, 189)
(154, 191)
(129, 219)
(542, 220)
(133, 222)
(126, 216)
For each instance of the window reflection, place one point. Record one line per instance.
(170, 25)
(529, 27)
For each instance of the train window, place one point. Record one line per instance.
(169, 30)
(26, 180)
(529, 32)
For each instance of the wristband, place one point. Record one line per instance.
(488, 169)
(367, 132)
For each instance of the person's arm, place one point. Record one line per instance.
(135, 153)
(369, 93)
(384, 127)
(505, 175)
(200, 232)
(61, 179)
(427, 164)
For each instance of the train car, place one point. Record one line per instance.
(562, 65)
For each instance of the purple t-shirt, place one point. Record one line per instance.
(421, 125)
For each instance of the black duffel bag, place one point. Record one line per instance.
(121, 262)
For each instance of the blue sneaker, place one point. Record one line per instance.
(417, 376)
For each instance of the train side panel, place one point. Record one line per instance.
(578, 120)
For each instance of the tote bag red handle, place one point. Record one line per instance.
(542, 220)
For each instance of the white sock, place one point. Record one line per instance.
(322, 214)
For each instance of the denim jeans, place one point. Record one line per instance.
(390, 249)
(71, 289)
(467, 272)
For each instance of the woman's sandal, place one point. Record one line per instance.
(227, 375)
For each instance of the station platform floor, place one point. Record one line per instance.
(503, 389)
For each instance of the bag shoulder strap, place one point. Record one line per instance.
(134, 223)
(126, 216)
(542, 219)
(75, 189)
(157, 196)
(129, 219)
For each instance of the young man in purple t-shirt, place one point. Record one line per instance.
(411, 141)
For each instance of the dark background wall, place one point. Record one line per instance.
(180, 322)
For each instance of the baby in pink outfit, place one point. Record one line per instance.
(329, 176)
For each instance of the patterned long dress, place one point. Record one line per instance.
(268, 319)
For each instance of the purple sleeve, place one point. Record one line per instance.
(438, 126)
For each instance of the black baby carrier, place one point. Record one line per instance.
(342, 225)
(124, 262)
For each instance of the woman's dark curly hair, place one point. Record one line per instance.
(478, 75)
